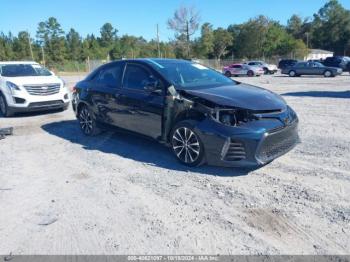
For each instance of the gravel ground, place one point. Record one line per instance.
(63, 193)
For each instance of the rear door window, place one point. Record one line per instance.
(110, 76)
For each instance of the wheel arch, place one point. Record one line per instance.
(190, 115)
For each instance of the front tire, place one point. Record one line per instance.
(4, 109)
(186, 144)
(87, 122)
(250, 73)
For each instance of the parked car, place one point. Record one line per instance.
(311, 68)
(27, 86)
(242, 70)
(342, 62)
(268, 68)
(202, 115)
(286, 63)
(315, 60)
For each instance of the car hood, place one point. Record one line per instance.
(33, 80)
(241, 96)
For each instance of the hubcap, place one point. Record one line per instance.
(186, 145)
(328, 73)
(85, 121)
(292, 73)
(2, 105)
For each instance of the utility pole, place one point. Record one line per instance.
(158, 46)
(43, 55)
(30, 46)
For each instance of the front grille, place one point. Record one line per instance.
(278, 143)
(46, 104)
(43, 90)
(235, 151)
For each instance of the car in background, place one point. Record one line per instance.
(315, 60)
(27, 86)
(268, 68)
(203, 116)
(342, 62)
(242, 70)
(311, 68)
(286, 63)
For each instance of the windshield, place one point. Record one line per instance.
(190, 75)
(19, 70)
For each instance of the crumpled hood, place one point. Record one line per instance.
(242, 96)
(33, 80)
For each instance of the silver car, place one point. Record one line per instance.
(242, 69)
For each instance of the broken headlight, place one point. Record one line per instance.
(226, 117)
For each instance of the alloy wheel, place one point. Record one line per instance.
(85, 121)
(186, 145)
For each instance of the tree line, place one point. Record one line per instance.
(259, 37)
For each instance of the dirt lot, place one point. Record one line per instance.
(63, 193)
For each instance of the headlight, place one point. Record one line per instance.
(11, 86)
(226, 117)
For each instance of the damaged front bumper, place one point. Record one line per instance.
(252, 144)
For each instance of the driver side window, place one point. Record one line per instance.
(137, 77)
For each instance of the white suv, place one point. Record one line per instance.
(27, 86)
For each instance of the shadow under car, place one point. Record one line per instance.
(132, 146)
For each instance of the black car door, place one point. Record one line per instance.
(141, 100)
(104, 90)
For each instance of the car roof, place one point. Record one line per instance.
(18, 63)
(151, 61)
(154, 60)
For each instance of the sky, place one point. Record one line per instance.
(140, 17)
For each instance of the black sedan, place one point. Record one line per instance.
(202, 115)
(311, 68)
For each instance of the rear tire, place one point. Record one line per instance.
(186, 144)
(292, 73)
(87, 122)
(327, 73)
(228, 74)
(4, 109)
